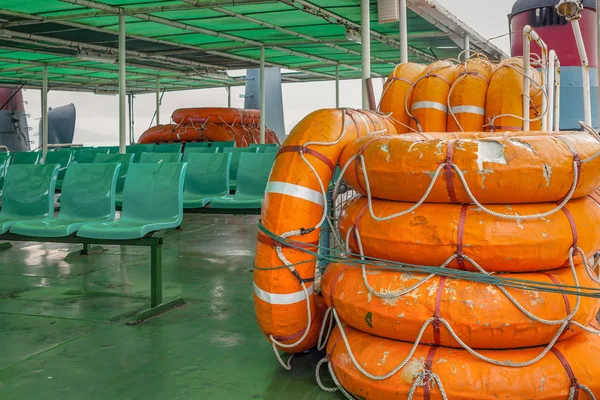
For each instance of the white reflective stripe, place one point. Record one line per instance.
(429, 104)
(298, 191)
(282, 299)
(468, 109)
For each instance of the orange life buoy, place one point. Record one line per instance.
(293, 206)
(463, 376)
(396, 88)
(497, 170)
(429, 107)
(432, 233)
(217, 115)
(466, 100)
(504, 103)
(480, 315)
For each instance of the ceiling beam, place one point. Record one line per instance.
(333, 18)
(204, 31)
(310, 39)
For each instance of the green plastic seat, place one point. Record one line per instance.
(108, 149)
(4, 162)
(26, 157)
(124, 160)
(138, 149)
(189, 145)
(28, 194)
(235, 160)
(205, 150)
(253, 173)
(152, 200)
(268, 149)
(88, 195)
(168, 148)
(222, 145)
(207, 177)
(63, 159)
(88, 155)
(160, 158)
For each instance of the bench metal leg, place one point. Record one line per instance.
(156, 303)
(86, 249)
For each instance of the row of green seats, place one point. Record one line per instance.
(152, 200)
(207, 180)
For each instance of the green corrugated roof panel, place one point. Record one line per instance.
(176, 42)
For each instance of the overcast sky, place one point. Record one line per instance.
(97, 115)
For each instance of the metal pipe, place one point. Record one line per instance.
(337, 86)
(122, 86)
(585, 72)
(263, 100)
(131, 99)
(157, 100)
(365, 22)
(528, 35)
(228, 88)
(526, 75)
(550, 87)
(44, 111)
(64, 145)
(557, 96)
(598, 53)
(467, 46)
(403, 22)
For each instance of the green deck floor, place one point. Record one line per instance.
(63, 332)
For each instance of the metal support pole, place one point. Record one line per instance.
(155, 275)
(598, 44)
(337, 86)
(44, 111)
(263, 100)
(467, 45)
(228, 88)
(122, 87)
(130, 99)
(550, 90)
(157, 100)
(403, 20)
(585, 72)
(365, 31)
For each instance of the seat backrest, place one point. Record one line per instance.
(154, 192)
(123, 159)
(88, 155)
(160, 158)
(26, 157)
(235, 158)
(268, 149)
(29, 191)
(88, 191)
(107, 149)
(138, 149)
(62, 158)
(207, 173)
(200, 150)
(253, 173)
(222, 145)
(4, 162)
(168, 148)
(189, 145)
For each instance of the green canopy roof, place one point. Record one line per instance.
(190, 44)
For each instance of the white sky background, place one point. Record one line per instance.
(97, 115)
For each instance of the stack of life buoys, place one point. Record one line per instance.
(472, 96)
(211, 124)
(504, 224)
